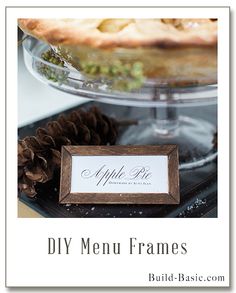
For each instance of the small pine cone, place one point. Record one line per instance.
(40, 155)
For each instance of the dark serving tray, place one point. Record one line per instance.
(198, 187)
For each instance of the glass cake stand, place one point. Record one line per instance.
(163, 125)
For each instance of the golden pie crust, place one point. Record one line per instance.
(126, 33)
(177, 51)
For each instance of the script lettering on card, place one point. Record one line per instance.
(120, 174)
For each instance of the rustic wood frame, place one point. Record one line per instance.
(172, 197)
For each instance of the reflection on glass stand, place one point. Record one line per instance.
(164, 126)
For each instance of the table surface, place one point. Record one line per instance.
(25, 211)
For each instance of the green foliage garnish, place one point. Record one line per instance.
(125, 76)
(53, 74)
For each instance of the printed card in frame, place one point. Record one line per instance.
(119, 175)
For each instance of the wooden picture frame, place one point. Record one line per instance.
(172, 196)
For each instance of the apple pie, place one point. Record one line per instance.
(174, 51)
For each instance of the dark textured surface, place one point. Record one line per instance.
(198, 187)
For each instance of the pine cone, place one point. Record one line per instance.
(40, 155)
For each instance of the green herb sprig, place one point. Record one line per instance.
(53, 74)
(125, 76)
